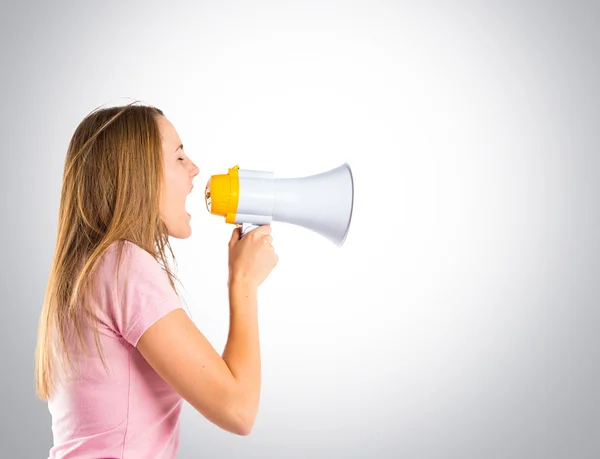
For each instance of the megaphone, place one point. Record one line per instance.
(322, 203)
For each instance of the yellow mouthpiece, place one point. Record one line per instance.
(222, 194)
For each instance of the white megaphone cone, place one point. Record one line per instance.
(322, 203)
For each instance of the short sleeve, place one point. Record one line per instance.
(144, 294)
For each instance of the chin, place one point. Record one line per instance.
(182, 232)
(181, 235)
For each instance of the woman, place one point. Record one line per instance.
(125, 184)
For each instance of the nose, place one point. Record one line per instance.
(195, 169)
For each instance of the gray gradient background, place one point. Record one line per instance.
(460, 320)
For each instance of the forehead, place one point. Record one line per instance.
(168, 132)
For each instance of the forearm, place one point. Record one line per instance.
(242, 351)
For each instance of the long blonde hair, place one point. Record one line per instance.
(113, 174)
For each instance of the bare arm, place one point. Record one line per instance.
(225, 390)
(242, 351)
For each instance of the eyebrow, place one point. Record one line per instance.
(180, 146)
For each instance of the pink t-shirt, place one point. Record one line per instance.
(130, 413)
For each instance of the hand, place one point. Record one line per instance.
(251, 258)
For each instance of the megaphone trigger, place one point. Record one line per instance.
(247, 227)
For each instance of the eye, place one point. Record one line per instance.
(181, 159)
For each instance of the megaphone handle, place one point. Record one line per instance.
(247, 227)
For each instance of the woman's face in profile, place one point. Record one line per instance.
(179, 170)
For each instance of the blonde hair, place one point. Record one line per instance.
(113, 175)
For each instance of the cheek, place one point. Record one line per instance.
(166, 199)
(170, 185)
(176, 187)
(172, 200)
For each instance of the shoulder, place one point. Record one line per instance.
(131, 260)
(140, 289)
(129, 252)
(136, 272)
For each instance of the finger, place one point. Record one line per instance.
(268, 239)
(235, 235)
(265, 229)
(262, 230)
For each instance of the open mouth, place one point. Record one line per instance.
(187, 201)
(187, 204)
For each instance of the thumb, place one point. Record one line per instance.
(235, 235)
